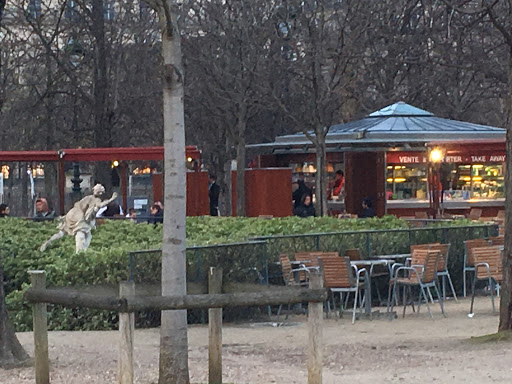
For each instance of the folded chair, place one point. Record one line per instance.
(421, 273)
(340, 277)
(488, 266)
(469, 265)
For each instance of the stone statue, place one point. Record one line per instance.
(81, 219)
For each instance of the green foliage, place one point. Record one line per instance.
(106, 262)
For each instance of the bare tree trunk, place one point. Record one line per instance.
(24, 189)
(321, 175)
(240, 172)
(11, 351)
(173, 331)
(102, 129)
(506, 292)
(227, 194)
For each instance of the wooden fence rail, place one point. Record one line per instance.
(128, 303)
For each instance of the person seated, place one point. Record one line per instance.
(339, 184)
(111, 210)
(42, 210)
(157, 214)
(305, 208)
(4, 210)
(368, 210)
(132, 214)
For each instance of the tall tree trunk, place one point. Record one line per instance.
(240, 172)
(227, 193)
(321, 175)
(506, 292)
(11, 351)
(102, 130)
(24, 189)
(173, 332)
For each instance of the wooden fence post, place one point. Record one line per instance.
(42, 363)
(315, 324)
(215, 329)
(126, 330)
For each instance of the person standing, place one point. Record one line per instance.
(339, 184)
(300, 192)
(42, 210)
(213, 194)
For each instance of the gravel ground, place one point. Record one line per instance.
(413, 349)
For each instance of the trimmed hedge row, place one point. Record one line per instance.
(106, 262)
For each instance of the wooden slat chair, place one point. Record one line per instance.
(421, 273)
(339, 277)
(497, 240)
(289, 272)
(305, 259)
(475, 213)
(488, 266)
(421, 215)
(292, 276)
(353, 254)
(442, 267)
(469, 265)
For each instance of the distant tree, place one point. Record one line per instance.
(317, 65)
(226, 53)
(498, 15)
(11, 351)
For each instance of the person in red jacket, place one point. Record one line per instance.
(339, 183)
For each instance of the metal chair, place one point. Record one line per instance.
(340, 277)
(395, 266)
(421, 273)
(497, 240)
(442, 267)
(468, 265)
(292, 276)
(488, 266)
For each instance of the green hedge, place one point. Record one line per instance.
(106, 261)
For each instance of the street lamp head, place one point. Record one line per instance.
(436, 155)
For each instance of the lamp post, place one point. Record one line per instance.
(76, 180)
(435, 158)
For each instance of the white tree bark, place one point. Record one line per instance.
(173, 331)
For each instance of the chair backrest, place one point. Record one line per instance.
(428, 258)
(497, 240)
(469, 245)
(353, 254)
(475, 213)
(314, 257)
(444, 250)
(415, 247)
(337, 272)
(421, 215)
(491, 256)
(307, 260)
(286, 266)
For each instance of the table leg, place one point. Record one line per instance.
(368, 295)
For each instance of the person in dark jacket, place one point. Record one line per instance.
(306, 207)
(368, 210)
(4, 210)
(213, 194)
(300, 192)
(157, 215)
